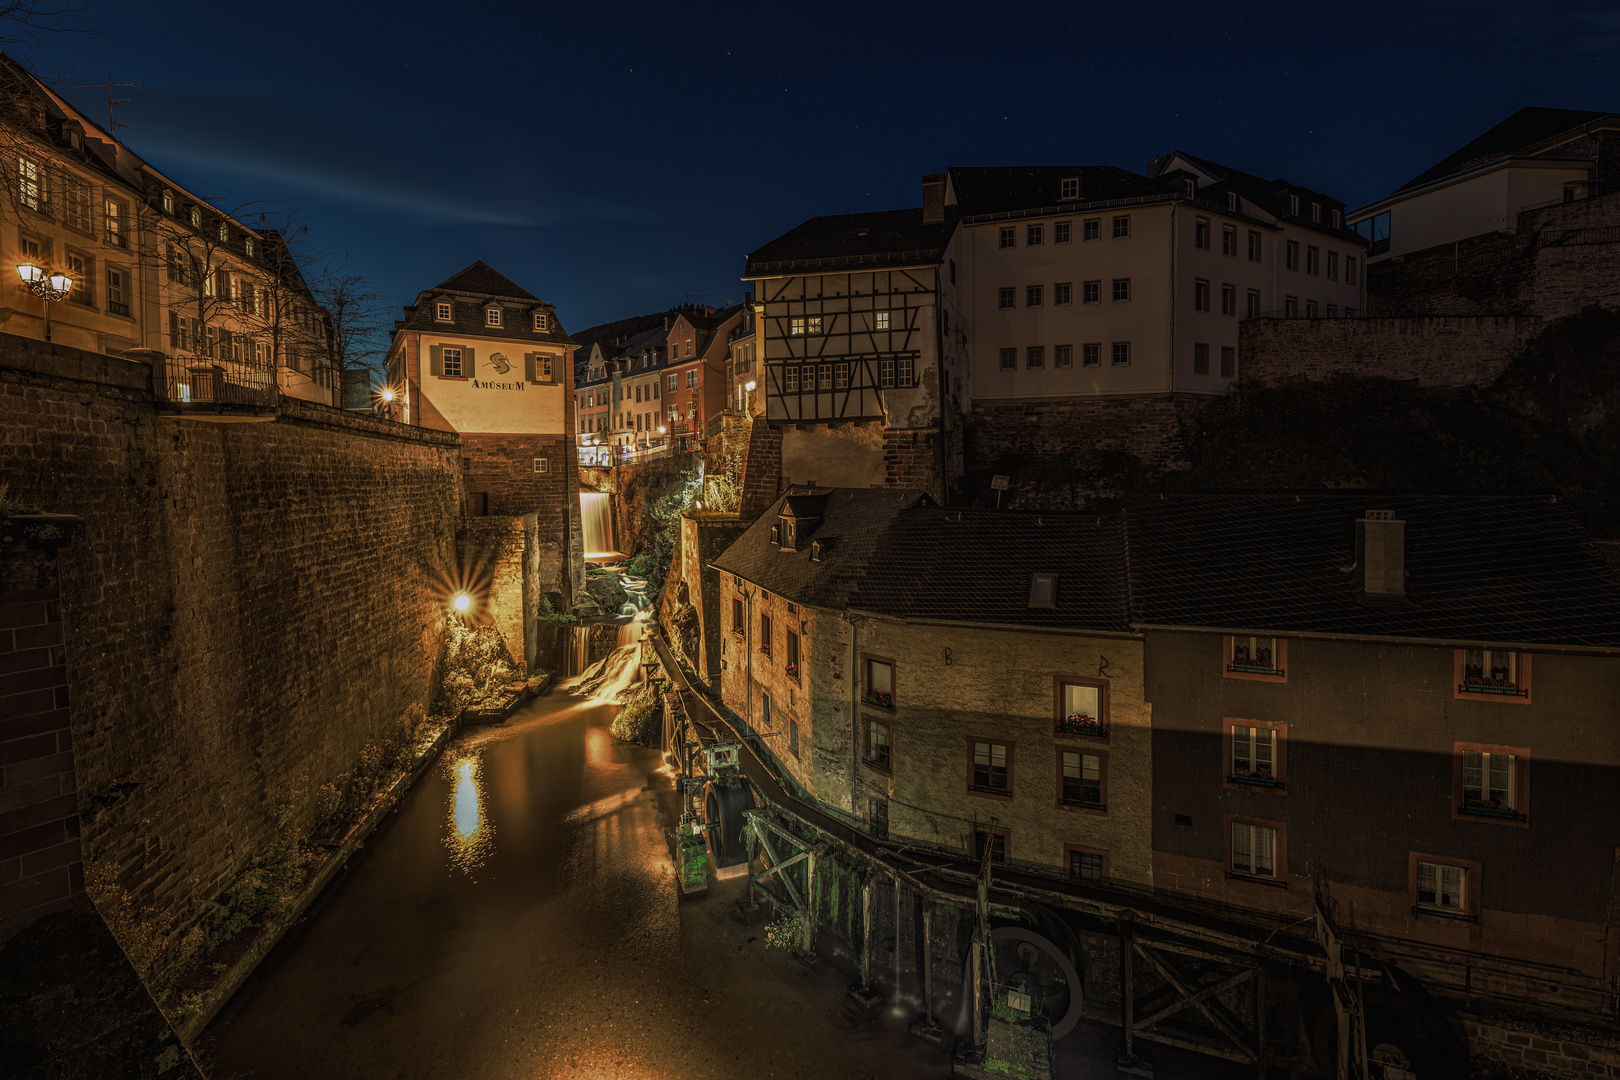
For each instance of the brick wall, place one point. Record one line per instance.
(1558, 260)
(40, 866)
(499, 556)
(911, 459)
(1439, 351)
(1502, 1046)
(1148, 427)
(762, 470)
(251, 605)
(502, 469)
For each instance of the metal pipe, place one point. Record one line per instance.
(928, 960)
(1125, 991)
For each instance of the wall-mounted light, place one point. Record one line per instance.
(749, 386)
(462, 601)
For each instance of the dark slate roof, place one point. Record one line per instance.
(866, 241)
(1506, 568)
(976, 566)
(898, 553)
(1525, 128)
(998, 189)
(854, 523)
(1271, 194)
(484, 279)
(470, 291)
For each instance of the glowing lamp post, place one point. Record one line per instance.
(50, 288)
(461, 602)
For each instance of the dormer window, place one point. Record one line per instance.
(196, 218)
(1069, 187)
(492, 316)
(1043, 591)
(1231, 200)
(442, 311)
(247, 246)
(168, 203)
(1192, 187)
(1293, 205)
(1316, 211)
(540, 320)
(224, 233)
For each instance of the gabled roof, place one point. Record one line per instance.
(484, 279)
(854, 522)
(469, 292)
(865, 241)
(997, 189)
(898, 553)
(1488, 568)
(1525, 129)
(1272, 194)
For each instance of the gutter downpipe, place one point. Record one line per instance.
(854, 711)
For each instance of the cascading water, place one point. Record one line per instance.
(596, 517)
(612, 677)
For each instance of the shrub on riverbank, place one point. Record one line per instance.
(643, 715)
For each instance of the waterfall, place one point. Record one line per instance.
(596, 515)
(612, 677)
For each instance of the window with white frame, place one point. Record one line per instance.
(1488, 783)
(885, 374)
(1490, 671)
(1122, 353)
(450, 361)
(1034, 235)
(1254, 850)
(442, 311)
(492, 316)
(1441, 886)
(1091, 354)
(1253, 654)
(1069, 187)
(1122, 227)
(903, 371)
(1063, 356)
(1091, 229)
(112, 212)
(790, 380)
(76, 203)
(540, 320)
(32, 189)
(880, 320)
(824, 377)
(1062, 232)
(1009, 237)
(840, 376)
(1254, 755)
(1009, 359)
(812, 324)
(796, 326)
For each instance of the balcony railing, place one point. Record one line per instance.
(1480, 685)
(1489, 809)
(1265, 780)
(218, 389)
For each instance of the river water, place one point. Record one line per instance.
(517, 917)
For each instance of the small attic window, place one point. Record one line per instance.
(1069, 187)
(815, 551)
(1192, 187)
(1043, 590)
(1231, 200)
(492, 316)
(862, 231)
(539, 320)
(442, 311)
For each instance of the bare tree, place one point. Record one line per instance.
(31, 20)
(357, 313)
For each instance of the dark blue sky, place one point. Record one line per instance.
(613, 158)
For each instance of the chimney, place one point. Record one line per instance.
(1381, 552)
(933, 196)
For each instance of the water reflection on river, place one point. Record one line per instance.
(469, 834)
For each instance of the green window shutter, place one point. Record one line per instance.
(467, 367)
(528, 366)
(436, 360)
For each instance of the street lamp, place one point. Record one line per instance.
(48, 287)
(462, 601)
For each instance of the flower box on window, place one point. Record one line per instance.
(765, 647)
(1489, 808)
(792, 671)
(1081, 724)
(1480, 684)
(1258, 778)
(880, 698)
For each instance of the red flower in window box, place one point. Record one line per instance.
(879, 697)
(793, 671)
(1080, 724)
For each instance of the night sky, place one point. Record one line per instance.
(613, 158)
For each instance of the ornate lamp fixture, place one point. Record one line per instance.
(50, 288)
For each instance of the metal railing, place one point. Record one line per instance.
(217, 386)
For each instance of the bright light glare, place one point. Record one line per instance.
(388, 395)
(463, 601)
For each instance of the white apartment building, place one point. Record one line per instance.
(1088, 281)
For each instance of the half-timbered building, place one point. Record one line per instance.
(850, 344)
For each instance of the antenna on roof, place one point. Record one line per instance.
(112, 124)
